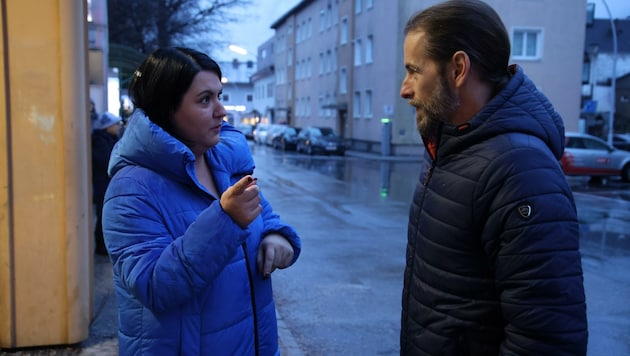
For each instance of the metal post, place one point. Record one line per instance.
(611, 121)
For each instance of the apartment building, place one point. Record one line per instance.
(339, 63)
(606, 57)
(264, 83)
(238, 94)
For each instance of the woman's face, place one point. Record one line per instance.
(198, 120)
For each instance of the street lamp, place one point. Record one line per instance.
(611, 121)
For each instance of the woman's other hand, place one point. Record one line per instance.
(274, 252)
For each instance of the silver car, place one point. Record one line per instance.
(587, 155)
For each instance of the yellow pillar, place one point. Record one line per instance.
(45, 202)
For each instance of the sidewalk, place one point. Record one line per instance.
(103, 339)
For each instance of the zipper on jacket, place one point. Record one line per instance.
(253, 298)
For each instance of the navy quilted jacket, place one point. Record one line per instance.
(184, 273)
(493, 262)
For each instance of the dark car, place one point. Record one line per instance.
(285, 139)
(587, 155)
(312, 139)
(622, 141)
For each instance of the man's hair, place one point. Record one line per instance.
(471, 26)
(159, 84)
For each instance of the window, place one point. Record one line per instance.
(369, 4)
(526, 43)
(328, 61)
(368, 103)
(356, 105)
(322, 21)
(250, 97)
(358, 4)
(343, 81)
(344, 31)
(586, 72)
(225, 98)
(270, 90)
(357, 52)
(321, 63)
(368, 49)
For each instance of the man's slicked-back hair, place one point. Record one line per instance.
(471, 26)
(160, 82)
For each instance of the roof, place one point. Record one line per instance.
(600, 34)
(302, 4)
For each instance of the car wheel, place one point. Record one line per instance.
(625, 173)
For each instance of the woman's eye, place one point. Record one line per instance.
(205, 99)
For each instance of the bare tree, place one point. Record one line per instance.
(141, 26)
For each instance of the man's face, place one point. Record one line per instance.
(426, 87)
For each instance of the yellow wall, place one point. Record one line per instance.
(45, 203)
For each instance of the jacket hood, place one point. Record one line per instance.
(147, 145)
(518, 108)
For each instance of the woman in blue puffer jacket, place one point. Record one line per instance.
(191, 239)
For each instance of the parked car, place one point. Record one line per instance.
(274, 129)
(246, 129)
(622, 141)
(260, 133)
(587, 155)
(285, 139)
(312, 139)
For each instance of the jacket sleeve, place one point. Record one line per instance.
(532, 237)
(273, 223)
(161, 270)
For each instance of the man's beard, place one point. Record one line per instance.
(435, 109)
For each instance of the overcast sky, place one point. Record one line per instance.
(255, 29)
(618, 8)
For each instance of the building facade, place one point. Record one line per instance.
(237, 96)
(264, 83)
(339, 63)
(601, 64)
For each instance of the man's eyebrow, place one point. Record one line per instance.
(412, 68)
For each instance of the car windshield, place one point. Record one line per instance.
(290, 131)
(324, 131)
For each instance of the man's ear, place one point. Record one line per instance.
(460, 68)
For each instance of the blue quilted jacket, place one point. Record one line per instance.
(493, 261)
(185, 274)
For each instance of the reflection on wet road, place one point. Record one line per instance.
(603, 209)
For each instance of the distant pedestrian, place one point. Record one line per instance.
(93, 115)
(493, 261)
(192, 240)
(107, 129)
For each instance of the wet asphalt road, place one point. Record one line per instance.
(343, 296)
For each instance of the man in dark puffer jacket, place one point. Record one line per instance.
(493, 262)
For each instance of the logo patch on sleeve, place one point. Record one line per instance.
(525, 210)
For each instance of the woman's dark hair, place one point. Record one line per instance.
(160, 82)
(471, 26)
